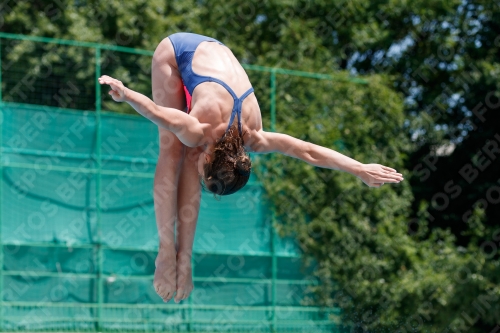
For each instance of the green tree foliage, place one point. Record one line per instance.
(418, 256)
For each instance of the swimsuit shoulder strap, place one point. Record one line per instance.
(238, 102)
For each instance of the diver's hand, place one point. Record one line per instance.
(118, 90)
(376, 175)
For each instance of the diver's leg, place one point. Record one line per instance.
(188, 206)
(167, 91)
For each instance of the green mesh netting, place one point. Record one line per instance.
(50, 237)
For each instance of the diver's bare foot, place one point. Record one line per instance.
(165, 274)
(184, 276)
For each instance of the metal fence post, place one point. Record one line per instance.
(274, 271)
(1, 186)
(98, 187)
(273, 100)
(190, 299)
(1, 67)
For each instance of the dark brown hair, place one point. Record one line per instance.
(230, 166)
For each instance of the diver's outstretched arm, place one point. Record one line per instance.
(373, 175)
(188, 129)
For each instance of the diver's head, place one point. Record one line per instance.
(227, 168)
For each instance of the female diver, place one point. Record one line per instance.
(204, 143)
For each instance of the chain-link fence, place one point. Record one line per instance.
(78, 232)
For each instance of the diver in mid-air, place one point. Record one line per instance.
(208, 120)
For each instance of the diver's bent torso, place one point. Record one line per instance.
(211, 102)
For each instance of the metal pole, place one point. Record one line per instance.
(273, 238)
(273, 100)
(190, 299)
(1, 198)
(274, 271)
(98, 187)
(1, 67)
